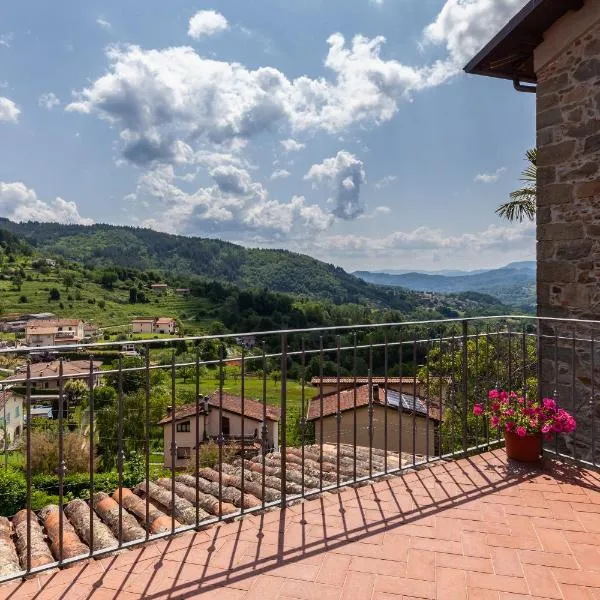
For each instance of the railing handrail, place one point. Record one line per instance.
(199, 338)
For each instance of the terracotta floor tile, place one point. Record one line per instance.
(420, 565)
(548, 559)
(570, 576)
(358, 586)
(541, 581)
(475, 544)
(576, 592)
(378, 567)
(500, 583)
(482, 594)
(309, 591)
(465, 563)
(506, 561)
(553, 541)
(403, 586)
(265, 588)
(515, 541)
(334, 569)
(451, 584)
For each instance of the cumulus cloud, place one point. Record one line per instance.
(489, 177)
(424, 239)
(160, 98)
(9, 111)
(280, 174)
(48, 100)
(205, 23)
(103, 23)
(20, 203)
(465, 26)
(385, 181)
(291, 145)
(383, 210)
(345, 174)
(233, 204)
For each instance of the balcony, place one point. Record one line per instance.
(357, 501)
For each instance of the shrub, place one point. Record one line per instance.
(44, 452)
(23, 299)
(101, 304)
(54, 295)
(209, 455)
(13, 492)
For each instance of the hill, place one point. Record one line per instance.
(513, 284)
(186, 258)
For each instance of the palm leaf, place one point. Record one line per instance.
(522, 203)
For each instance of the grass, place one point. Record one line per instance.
(117, 311)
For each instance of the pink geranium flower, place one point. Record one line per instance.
(521, 431)
(478, 410)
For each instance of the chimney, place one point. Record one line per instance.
(169, 411)
(206, 405)
(376, 392)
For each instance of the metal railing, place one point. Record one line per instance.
(250, 432)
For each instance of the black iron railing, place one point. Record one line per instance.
(199, 429)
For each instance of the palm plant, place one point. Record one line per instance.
(522, 202)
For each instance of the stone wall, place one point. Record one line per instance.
(568, 230)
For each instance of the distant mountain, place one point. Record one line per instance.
(174, 256)
(513, 284)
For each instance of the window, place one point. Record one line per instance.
(225, 426)
(8, 418)
(183, 452)
(17, 411)
(183, 427)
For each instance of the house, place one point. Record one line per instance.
(89, 331)
(183, 291)
(53, 332)
(370, 416)
(11, 416)
(164, 325)
(246, 341)
(159, 287)
(142, 326)
(210, 426)
(551, 48)
(47, 373)
(154, 325)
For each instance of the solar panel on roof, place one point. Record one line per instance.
(408, 402)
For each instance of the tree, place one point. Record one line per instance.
(68, 280)
(522, 203)
(17, 282)
(108, 279)
(54, 295)
(133, 293)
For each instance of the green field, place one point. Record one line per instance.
(93, 303)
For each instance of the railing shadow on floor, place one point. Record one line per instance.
(291, 536)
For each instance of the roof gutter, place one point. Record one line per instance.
(530, 89)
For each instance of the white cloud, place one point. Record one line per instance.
(345, 173)
(3, 84)
(6, 39)
(383, 210)
(385, 181)
(465, 26)
(48, 100)
(20, 203)
(205, 23)
(291, 145)
(103, 23)
(426, 240)
(489, 177)
(161, 98)
(9, 111)
(280, 174)
(234, 204)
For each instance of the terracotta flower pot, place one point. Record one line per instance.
(524, 449)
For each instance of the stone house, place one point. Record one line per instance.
(50, 332)
(552, 48)
(403, 412)
(11, 417)
(214, 419)
(154, 325)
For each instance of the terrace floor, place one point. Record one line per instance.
(475, 528)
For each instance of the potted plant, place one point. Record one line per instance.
(524, 422)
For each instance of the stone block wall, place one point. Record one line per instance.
(568, 232)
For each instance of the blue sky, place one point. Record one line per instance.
(344, 130)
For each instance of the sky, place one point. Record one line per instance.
(345, 130)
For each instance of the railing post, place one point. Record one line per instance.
(465, 384)
(283, 441)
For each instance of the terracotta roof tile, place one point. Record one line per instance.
(252, 408)
(361, 380)
(362, 399)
